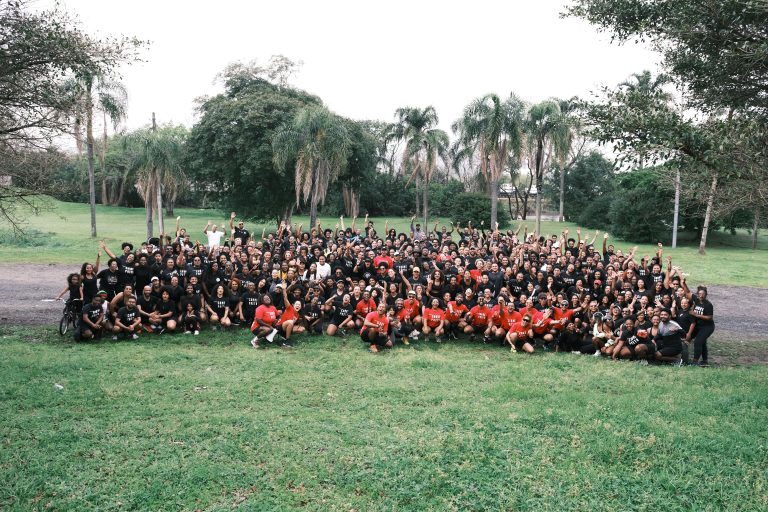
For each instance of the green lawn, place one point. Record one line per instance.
(65, 238)
(183, 423)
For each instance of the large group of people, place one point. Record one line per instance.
(526, 292)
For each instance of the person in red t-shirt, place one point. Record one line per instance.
(434, 319)
(505, 320)
(520, 335)
(562, 316)
(291, 315)
(543, 326)
(411, 314)
(454, 315)
(375, 329)
(264, 322)
(479, 320)
(364, 306)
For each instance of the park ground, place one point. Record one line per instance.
(207, 423)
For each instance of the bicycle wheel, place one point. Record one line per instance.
(64, 324)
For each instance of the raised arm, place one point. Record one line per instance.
(205, 229)
(106, 249)
(98, 262)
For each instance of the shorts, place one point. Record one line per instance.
(379, 339)
(520, 342)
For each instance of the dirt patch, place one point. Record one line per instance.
(741, 313)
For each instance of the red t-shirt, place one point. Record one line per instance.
(381, 321)
(433, 317)
(267, 314)
(546, 324)
(363, 307)
(507, 319)
(480, 315)
(288, 314)
(453, 313)
(520, 330)
(411, 307)
(559, 315)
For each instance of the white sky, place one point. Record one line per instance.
(364, 59)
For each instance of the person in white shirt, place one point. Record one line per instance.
(213, 234)
(323, 268)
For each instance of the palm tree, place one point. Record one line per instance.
(491, 129)
(424, 144)
(156, 156)
(96, 92)
(318, 142)
(564, 134)
(542, 125)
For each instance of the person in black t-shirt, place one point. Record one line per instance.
(703, 312)
(312, 316)
(128, 320)
(343, 315)
(92, 322)
(109, 279)
(166, 312)
(146, 304)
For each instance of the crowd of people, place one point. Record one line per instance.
(525, 292)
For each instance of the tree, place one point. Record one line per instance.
(544, 124)
(591, 177)
(229, 151)
(492, 129)
(39, 54)
(716, 50)
(316, 144)
(563, 142)
(361, 164)
(424, 145)
(156, 157)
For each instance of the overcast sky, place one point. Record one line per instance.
(364, 59)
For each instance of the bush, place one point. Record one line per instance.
(640, 208)
(476, 208)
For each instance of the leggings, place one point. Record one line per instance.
(700, 342)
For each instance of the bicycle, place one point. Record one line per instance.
(70, 316)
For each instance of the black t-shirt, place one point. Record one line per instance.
(703, 308)
(166, 306)
(89, 288)
(250, 302)
(311, 312)
(109, 281)
(193, 299)
(143, 276)
(219, 304)
(341, 312)
(146, 305)
(127, 316)
(93, 313)
(242, 234)
(126, 272)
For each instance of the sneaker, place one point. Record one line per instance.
(344, 333)
(196, 333)
(597, 353)
(414, 334)
(576, 352)
(679, 363)
(438, 339)
(114, 337)
(161, 331)
(286, 344)
(513, 349)
(486, 339)
(405, 341)
(271, 336)
(643, 362)
(704, 364)
(134, 336)
(471, 337)
(187, 332)
(214, 328)
(373, 349)
(255, 342)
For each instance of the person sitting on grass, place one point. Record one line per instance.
(127, 320)
(218, 308)
(342, 315)
(479, 318)
(147, 304)
(520, 335)
(290, 321)
(375, 331)
(165, 310)
(190, 319)
(434, 321)
(669, 341)
(264, 321)
(92, 323)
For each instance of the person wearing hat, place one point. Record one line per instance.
(375, 330)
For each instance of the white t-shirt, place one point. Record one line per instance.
(214, 238)
(323, 271)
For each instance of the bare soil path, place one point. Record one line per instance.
(741, 313)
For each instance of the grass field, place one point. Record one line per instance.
(207, 423)
(63, 237)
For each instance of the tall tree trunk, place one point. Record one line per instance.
(148, 200)
(159, 200)
(287, 215)
(707, 216)
(104, 194)
(77, 131)
(418, 208)
(561, 215)
(494, 201)
(677, 209)
(91, 162)
(539, 172)
(120, 192)
(169, 207)
(755, 229)
(313, 200)
(425, 205)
